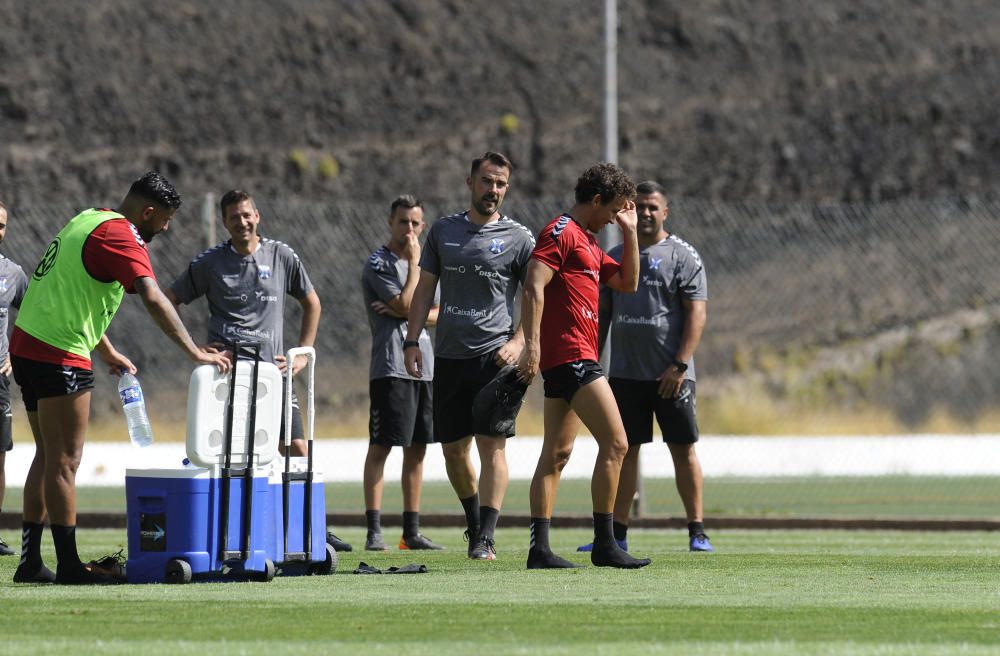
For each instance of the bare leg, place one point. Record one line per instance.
(374, 476)
(627, 484)
(413, 476)
(297, 448)
(561, 426)
(63, 424)
(595, 405)
(687, 471)
(458, 463)
(34, 494)
(494, 475)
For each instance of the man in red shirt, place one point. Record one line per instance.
(74, 293)
(564, 277)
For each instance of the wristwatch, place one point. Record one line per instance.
(409, 343)
(681, 366)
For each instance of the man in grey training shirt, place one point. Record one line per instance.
(479, 257)
(654, 334)
(13, 284)
(245, 280)
(401, 410)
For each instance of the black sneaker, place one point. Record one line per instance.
(33, 574)
(471, 539)
(5, 549)
(84, 575)
(418, 541)
(374, 542)
(609, 554)
(483, 549)
(112, 565)
(337, 544)
(545, 559)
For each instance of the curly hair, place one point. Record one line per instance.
(606, 180)
(156, 189)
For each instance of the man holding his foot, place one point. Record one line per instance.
(401, 412)
(559, 315)
(13, 282)
(71, 299)
(479, 256)
(654, 334)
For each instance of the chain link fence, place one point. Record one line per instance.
(783, 279)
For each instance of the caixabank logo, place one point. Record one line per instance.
(48, 260)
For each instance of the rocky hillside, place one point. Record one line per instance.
(337, 99)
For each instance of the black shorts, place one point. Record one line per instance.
(638, 402)
(42, 380)
(401, 412)
(564, 380)
(6, 416)
(297, 432)
(456, 383)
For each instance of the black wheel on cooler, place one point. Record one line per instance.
(267, 574)
(328, 566)
(178, 571)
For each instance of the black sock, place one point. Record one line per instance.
(694, 528)
(620, 530)
(602, 527)
(540, 533)
(31, 543)
(65, 540)
(488, 520)
(471, 506)
(411, 523)
(374, 520)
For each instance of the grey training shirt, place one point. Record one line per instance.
(246, 294)
(479, 269)
(646, 326)
(382, 278)
(13, 284)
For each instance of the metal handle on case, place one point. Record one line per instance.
(290, 356)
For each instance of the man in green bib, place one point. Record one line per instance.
(73, 295)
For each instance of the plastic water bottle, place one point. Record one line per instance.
(134, 404)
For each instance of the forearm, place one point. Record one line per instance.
(530, 326)
(309, 326)
(420, 306)
(630, 261)
(432, 316)
(165, 316)
(694, 326)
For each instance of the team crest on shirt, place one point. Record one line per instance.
(263, 271)
(654, 263)
(496, 246)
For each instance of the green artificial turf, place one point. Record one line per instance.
(761, 593)
(854, 497)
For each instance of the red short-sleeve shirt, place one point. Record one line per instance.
(569, 318)
(114, 251)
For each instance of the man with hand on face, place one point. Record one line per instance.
(479, 257)
(401, 411)
(559, 317)
(245, 280)
(654, 334)
(72, 297)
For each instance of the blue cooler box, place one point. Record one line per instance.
(322, 559)
(174, 527)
